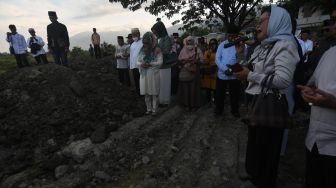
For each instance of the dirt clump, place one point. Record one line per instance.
(43, 108)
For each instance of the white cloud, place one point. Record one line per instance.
(78, 16)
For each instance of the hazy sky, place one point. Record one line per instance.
(77, 15)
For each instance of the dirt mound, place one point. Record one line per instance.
(42, 108)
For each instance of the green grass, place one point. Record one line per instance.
(8, 61)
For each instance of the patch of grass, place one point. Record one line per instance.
(6, 62)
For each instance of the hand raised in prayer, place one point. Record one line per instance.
(145, 65)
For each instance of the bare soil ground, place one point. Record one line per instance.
(52, 119)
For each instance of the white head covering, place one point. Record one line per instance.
(279, 26)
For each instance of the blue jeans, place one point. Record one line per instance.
(60, 58)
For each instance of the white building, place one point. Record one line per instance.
(310, 17)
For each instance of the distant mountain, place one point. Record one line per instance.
(83, 39)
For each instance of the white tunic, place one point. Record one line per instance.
(150, 81)
(123, 52)
(40, 42)
(134, 52)
(322, 128)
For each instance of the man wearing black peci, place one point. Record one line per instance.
(58, 39)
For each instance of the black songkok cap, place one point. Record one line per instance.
(52, 13)
(129, 36)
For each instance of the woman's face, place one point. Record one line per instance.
(213, 45)
(154, 32)
(262, 26)
(146, 43)
(190, 42)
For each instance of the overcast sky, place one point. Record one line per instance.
(77, 15)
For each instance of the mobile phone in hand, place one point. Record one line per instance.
(235, 67)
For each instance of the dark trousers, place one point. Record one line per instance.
(320, 170)
(209, 93)
(42, 58)
(124, 77)
(60, 57)
(21, 60)
(97, 51)
(234, 90)
(174, 79)
(263, 155)
(136, 76)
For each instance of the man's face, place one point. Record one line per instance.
(120, 42)
(304, 36)
(135, 34)
(328, 31)
(232, 37)
(262, 26)
(32, 33)
(12, 29)
(53, 19)
(94, 30)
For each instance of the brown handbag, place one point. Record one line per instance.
(269, 109)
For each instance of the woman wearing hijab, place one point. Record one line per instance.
(165, 44)
(278, 55)
(149, 61)
(209, 68)
(189, 92)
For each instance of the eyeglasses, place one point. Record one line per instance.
(261, 21)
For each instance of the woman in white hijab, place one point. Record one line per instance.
(278, 55)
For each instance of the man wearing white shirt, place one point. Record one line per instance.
(134, 52)
(308, 44)
(19, 45)
(122, 54)
(36, 43)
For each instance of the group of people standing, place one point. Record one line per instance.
(157, 63)
(58, 43)
(274, 60)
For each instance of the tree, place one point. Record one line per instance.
(234, 14)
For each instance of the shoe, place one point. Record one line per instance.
(154, 113)
(148, 112)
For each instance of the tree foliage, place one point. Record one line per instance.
(234, 14)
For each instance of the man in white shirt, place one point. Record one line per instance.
(19, 46)
(320, 92)
(308, 44)
(134, 52)
(36, 43)
(122, 54)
